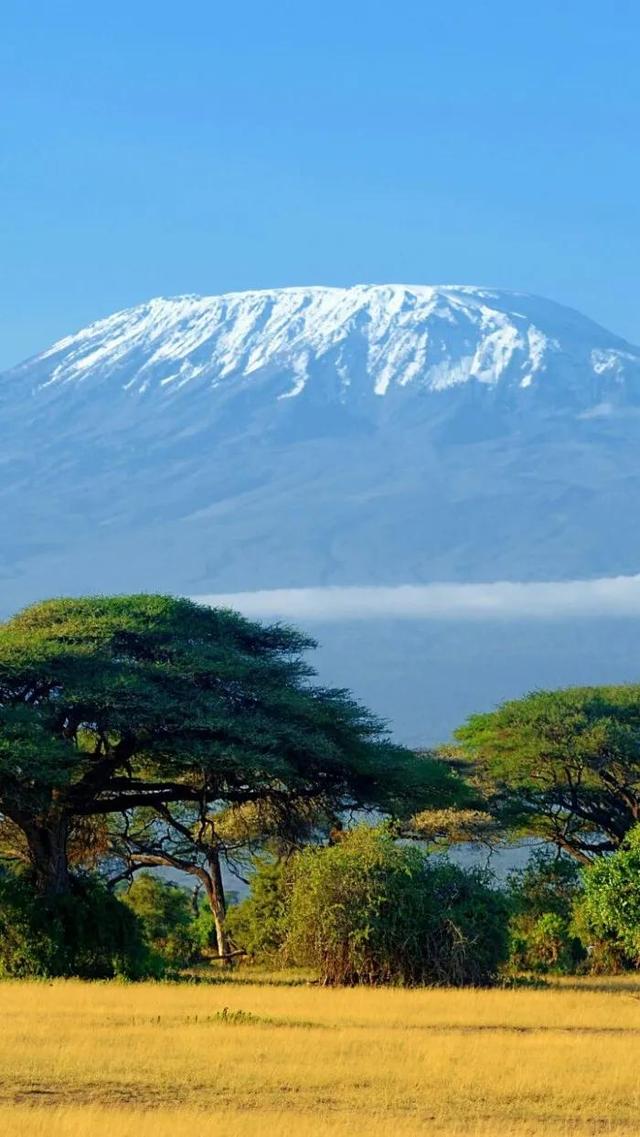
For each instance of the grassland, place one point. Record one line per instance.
(247, 1060)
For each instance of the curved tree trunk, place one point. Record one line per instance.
(215, 894)
(210, 876)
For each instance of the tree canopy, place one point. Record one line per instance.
(563, 765)
(108, 704)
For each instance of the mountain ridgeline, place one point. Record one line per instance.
(319, 436)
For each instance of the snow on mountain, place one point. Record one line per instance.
(374, 338)
(310, 436)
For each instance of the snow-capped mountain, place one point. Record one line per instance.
(309, 436)
(344, 343)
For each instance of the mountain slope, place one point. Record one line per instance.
(313, 436)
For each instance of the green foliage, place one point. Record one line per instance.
(203, 928)
(549, 882)
(544, 944)
(165, 911)
(542, 898)
(609, 915)
(370, 910)
(564, 765)
(86, 933)
(257, 924)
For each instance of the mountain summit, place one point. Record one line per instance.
(308, 436)
(346, 343)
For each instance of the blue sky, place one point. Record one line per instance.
(158, 148)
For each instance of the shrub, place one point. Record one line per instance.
(369, 910)
(257, 924)
(609, 914)
(541, 931)
(87, 933)
(166, 915)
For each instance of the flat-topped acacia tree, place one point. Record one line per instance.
(561, 765)
(112, 703)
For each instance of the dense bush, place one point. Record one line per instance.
(86, 933)
(609, 914)
(541, 929)
(369, 910)
(166, 914)
(258, 924)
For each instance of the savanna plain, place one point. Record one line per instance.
(255, 1055)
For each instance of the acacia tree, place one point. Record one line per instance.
(108, 704)
(181, 837)
(562, 765)
(197, 838)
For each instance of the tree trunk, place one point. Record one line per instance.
(215, 895)
(47, 841)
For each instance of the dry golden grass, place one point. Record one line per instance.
(109, 1060)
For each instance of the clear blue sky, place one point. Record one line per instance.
(154, 148)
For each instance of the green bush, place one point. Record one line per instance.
(370, 910)
(203, 930)
(257, 924)
(542, 897)
(166, 915)
(87, 933)
(609, 913)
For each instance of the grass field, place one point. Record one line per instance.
(246, 1060)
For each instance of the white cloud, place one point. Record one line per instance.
(608, 596)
